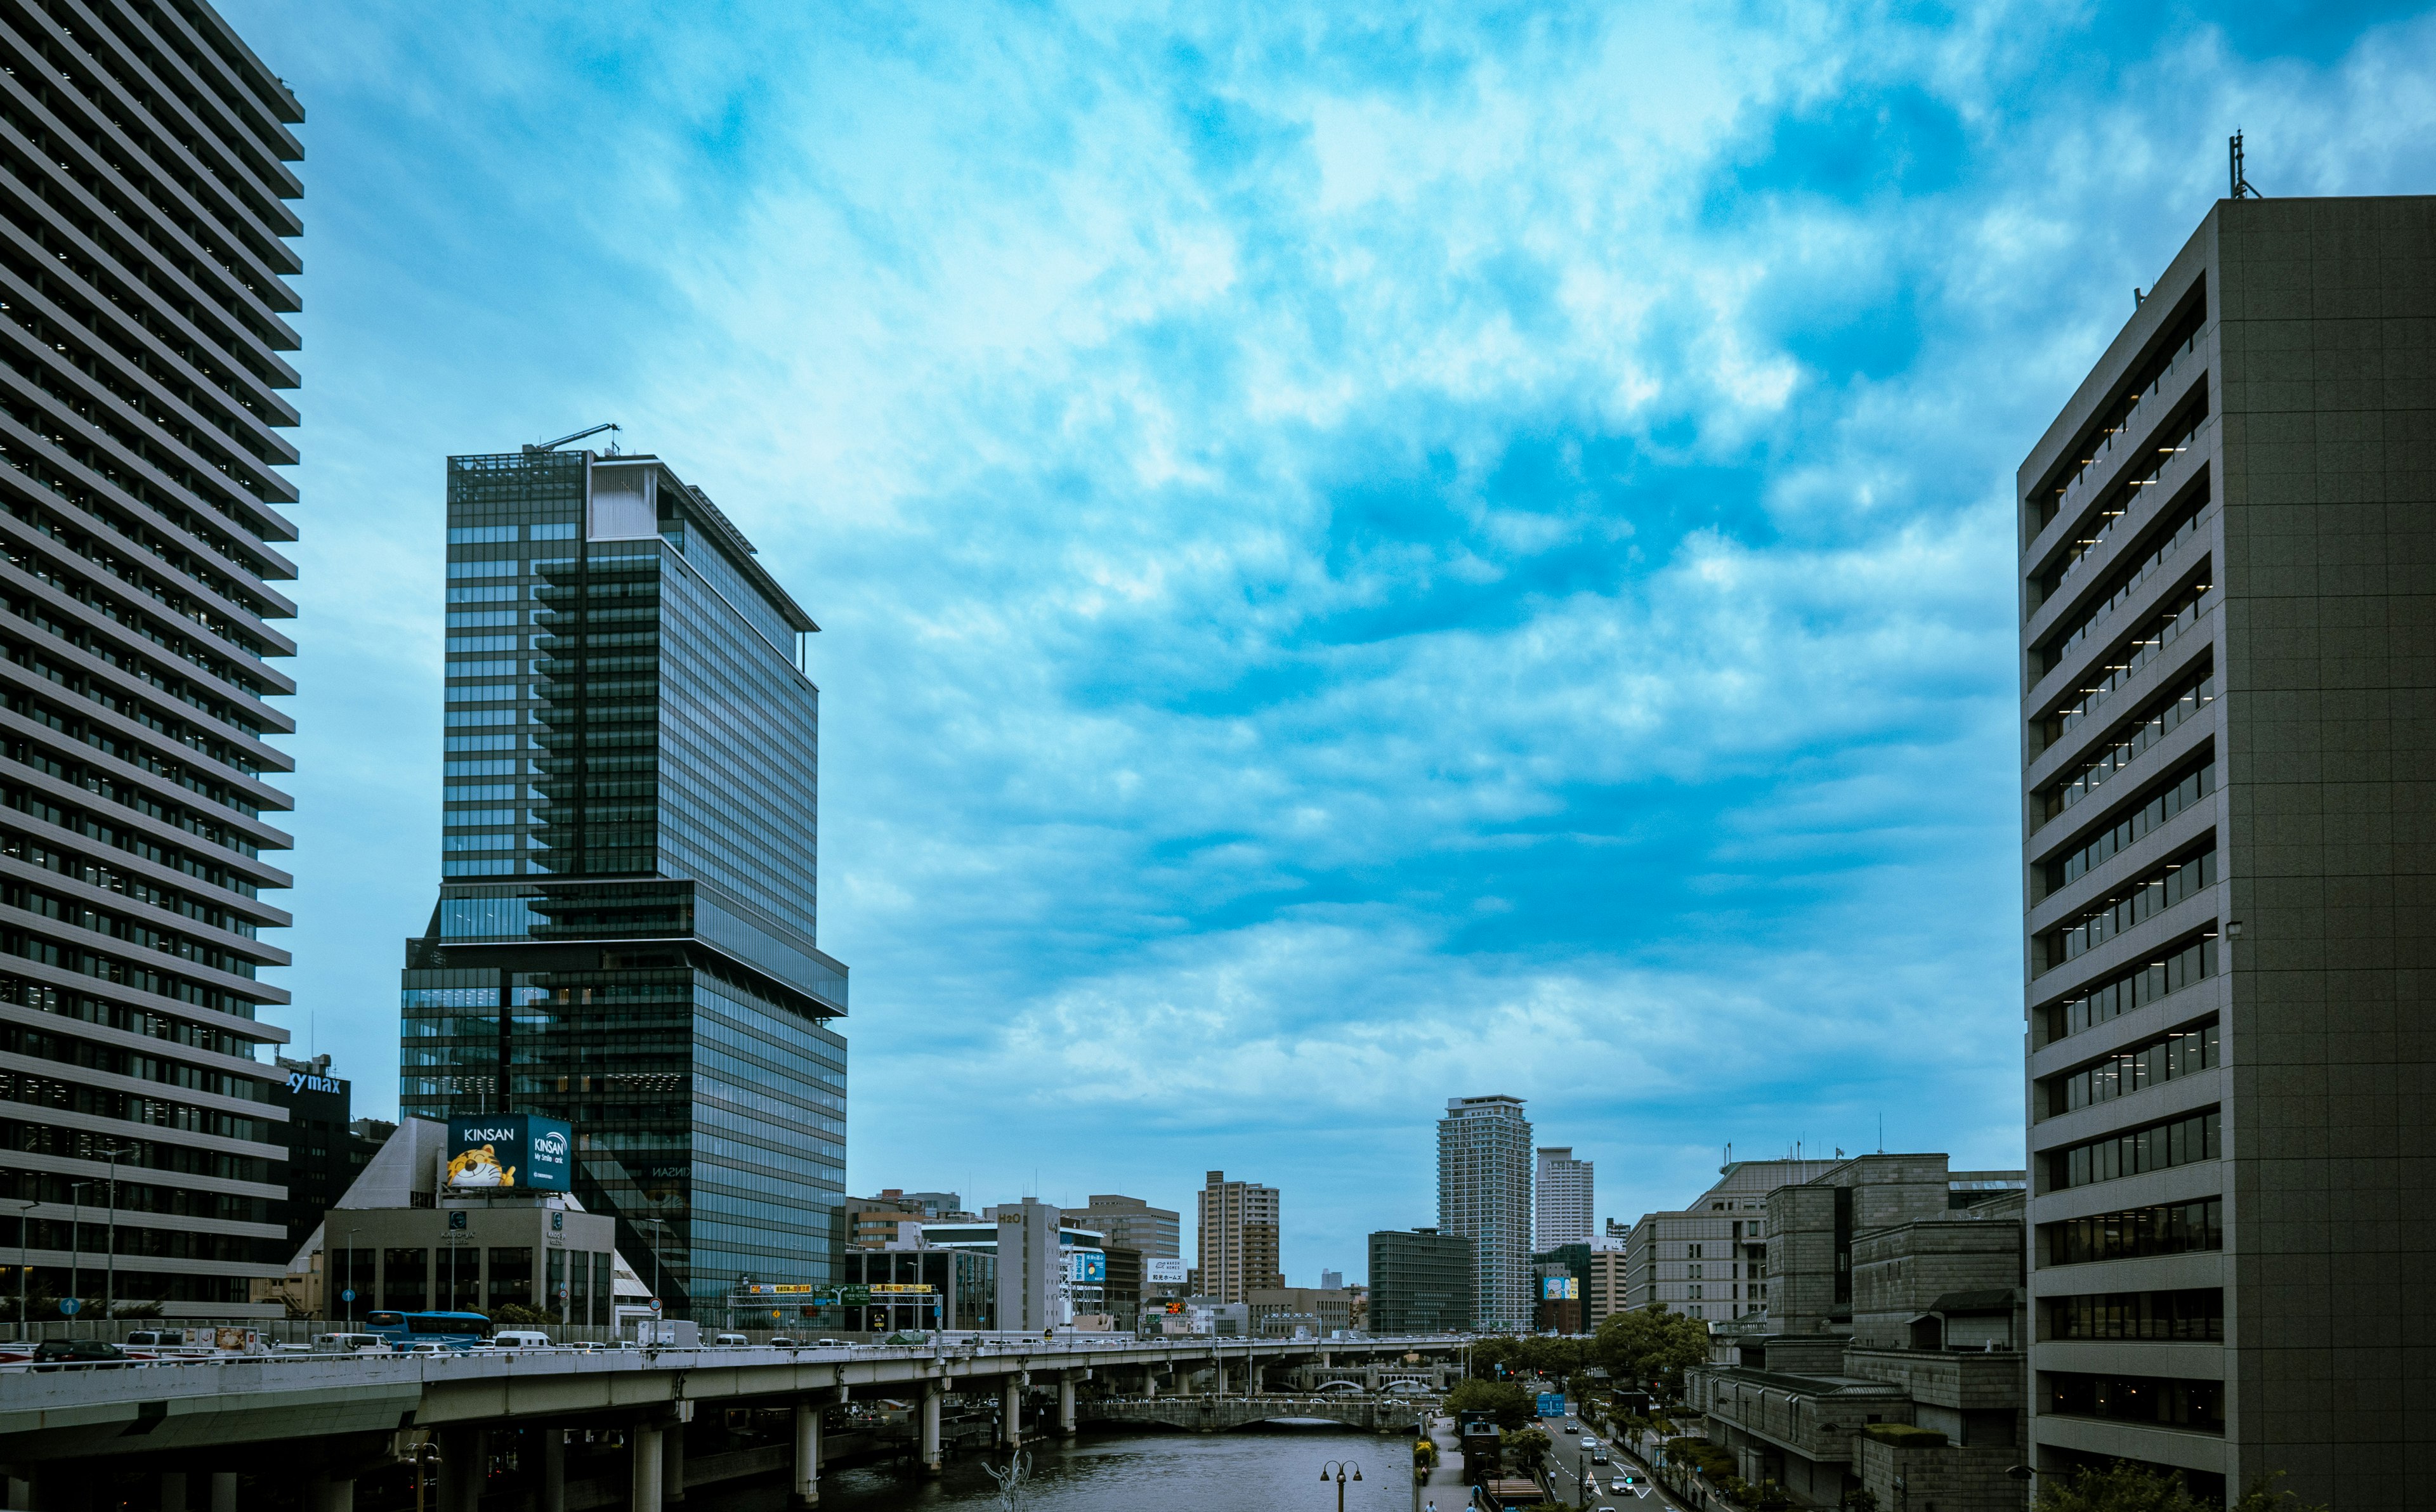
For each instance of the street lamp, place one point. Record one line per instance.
(1339, 1465)
(75, 1253)
(110, 1273)
(347, 1288)
(23, 1208)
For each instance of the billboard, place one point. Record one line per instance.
(1560, 1289)
(1088, 1267)
(499, 1151)
(1161, 1271)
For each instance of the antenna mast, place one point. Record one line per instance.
(2241, 189)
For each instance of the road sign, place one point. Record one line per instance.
(70, 1306)
(655, 1307)
(347, 1295)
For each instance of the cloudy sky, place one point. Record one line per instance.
(1366, 554)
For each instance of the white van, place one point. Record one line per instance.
(729, 1340)
(519, 1339)
(350, 1344)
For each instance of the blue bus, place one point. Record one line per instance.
(403, 1330)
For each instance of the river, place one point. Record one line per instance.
(1253, 1470)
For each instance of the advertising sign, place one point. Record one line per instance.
(900, 1288)
(1560, 1287)
(1164, 1272)
(501, 1150)
(1088, 1267)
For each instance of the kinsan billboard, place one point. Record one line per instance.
(495, 1150)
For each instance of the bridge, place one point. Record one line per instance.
(1211, 1413)
(325, 1420)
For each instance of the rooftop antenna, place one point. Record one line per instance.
(2241, 189)
(589, 430)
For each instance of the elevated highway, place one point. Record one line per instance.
(332, 1418)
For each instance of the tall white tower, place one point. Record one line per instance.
(1565, 1199)
(1484, 1196)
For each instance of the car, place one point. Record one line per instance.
(782, 1342)
(429, 1347)
(519, 1339)
(1572, 1427)
(52, 1354)
(729, 1340)
(1619, 1484)
(1598, 1456)
(1587, 1442)
(828, 1344)
(348, 1343)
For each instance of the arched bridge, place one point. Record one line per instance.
(1208, 1414)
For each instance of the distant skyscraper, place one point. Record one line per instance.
(148, 394)
(1133, 1223)
(1485, 1198)
(2227, 580)
(1239, 1237)
(1565, 1199)
(628, 844)
(1331, 1280)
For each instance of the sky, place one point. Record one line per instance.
(1366, 554)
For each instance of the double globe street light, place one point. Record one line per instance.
(1339, 1465)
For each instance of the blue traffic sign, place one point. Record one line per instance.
(70, 1306)
(347, 1295)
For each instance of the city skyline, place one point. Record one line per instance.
(1616, 672)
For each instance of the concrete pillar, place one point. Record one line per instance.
(1218, 1378)
(21, 1494)
(223, 1491)
(1065, 1404)
(931, 1456)
(173, 1491)
(326, 1493)
(464, 1468)
(643, 1444)
(808, 1454)
(1149, 1384)
(673, 1464)
(1260, 1379)
(554, 1470)
(1010, 1427)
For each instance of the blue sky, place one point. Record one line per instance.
(1366, 554)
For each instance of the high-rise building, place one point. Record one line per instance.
(1485, 1197)
(626, 911)
(1421, 1282)
(1156, 1232)
(1238, 1238)
(328, 1147)
(2228, 602)
(1565, 1199)
(145, 287)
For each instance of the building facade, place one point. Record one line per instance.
(1421, 1282)
(327, 1146)
(1238, 1238)
(2227, 592)
(1485, 1197)
(145, 281)
(1284, 1312)
(921, 1288)
(1565, 1198)
(626, 914)
(1157, 1232)
(1709, 1260)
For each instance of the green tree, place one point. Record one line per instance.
(1509, 1404)
(1651, 1343)
(1524, 1447)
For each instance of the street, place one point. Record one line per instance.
(1567, 1459)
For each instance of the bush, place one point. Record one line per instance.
(1508, 1404)
(517, 1315)
(1706, 1457)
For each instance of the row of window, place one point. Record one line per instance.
(75, 1097)
(119, 1015)
(2175, 618)
(105, 831)
(49, 1139)
(2161, 718)
(2184, 524)
(2156, 1147)
(2178, 966)
(2168, 798)
(476, 534)
(2136, 1233)
(2144, 900)
(2162, 1402)
(2196, 1314)
(2179, 1053)
(2180, 433)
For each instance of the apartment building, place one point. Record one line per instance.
(1238, 1238)
(2228, 597)
(1485, 1197)
(1566, 1199)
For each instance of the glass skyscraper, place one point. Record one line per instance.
(624, 935)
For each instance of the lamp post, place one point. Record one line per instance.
(23, 1208)
(347, 1286)
(1339, 1465)
(75, 1250)
(649, 1244)
(110, 1271)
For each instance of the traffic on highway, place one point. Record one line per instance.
(1591, 1472)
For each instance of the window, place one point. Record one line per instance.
(2159, 803)
(2144, 730)
(2156, 1147)
(2177, 966)
(2194, 1315)
(2144, 900)
(2162, 1401)
(2179, 1053)
(2170, 1228)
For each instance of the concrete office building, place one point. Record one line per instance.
(1033, 1247)
(1709, 1260)
(1157, 1232)
(2228, 597)
(1282, 1311)
(1484, 1196)
(628, 835)
(1238, 1238)
(145, 284)
(327, 1146)
(1565, 1199)
(1421, 1282)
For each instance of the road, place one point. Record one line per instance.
(1565, 1466)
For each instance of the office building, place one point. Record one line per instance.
(1421, 1282)
(1709, 1259)
(626, 911)
(1238, 1238)
(1040, 1284)
(2228, 593)
(327, 1146)
(1286, 1312)
(145, 286)
(1603, 1288)
(1331, 1280)
(1485, 1197)
(1565, 1199)
(1156, 1232)
(921, 1287)
(1888, 1355)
